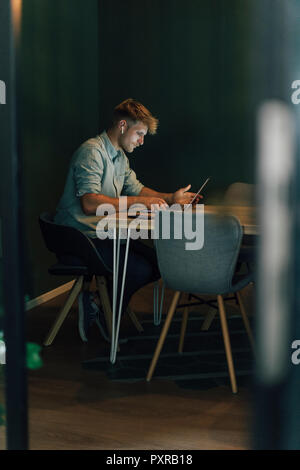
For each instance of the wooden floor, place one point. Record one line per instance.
(72, 408)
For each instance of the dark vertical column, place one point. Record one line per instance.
(12, 231)
(291, 438)
(277, 395)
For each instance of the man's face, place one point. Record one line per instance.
(133, 136)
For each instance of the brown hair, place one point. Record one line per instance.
(134, 111)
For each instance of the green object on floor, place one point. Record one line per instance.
(2, 411)
(33, 358)
(33, 361)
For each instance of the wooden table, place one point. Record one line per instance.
(246, 215)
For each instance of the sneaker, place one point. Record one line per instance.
(90, 313)
(101, 323)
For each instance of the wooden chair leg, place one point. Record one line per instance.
(227, 344)
(183, 327)
(246, 320)
(104, 297)
(64, 311)
(135, 320)
(209, 317)
(163, 335)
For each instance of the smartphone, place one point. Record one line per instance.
(203, 185)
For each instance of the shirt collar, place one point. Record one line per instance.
(112, 152)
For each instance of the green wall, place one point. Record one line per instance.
(59, 81)
(188, 61)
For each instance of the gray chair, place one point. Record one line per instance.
(240, 194)
(210, 270)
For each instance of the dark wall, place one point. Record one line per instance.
(59, 70)
(188, 61)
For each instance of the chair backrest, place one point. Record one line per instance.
(208, 270)
(240, 194)
(67, 241)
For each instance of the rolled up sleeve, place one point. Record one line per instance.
(88, 172)
(132, 186)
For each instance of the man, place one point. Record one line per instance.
(99, 174)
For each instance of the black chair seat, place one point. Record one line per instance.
(72, 247)
(65, 270)
(78, 258)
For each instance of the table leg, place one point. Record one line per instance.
(115, 290)
(116, 327)
(155, 303)
(157, 311)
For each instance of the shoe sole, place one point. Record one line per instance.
(82, 329)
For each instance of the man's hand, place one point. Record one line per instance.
(149, 201)
(182, 196)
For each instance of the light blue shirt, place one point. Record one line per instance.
(98, 168)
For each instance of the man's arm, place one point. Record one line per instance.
(90, 201)
(147, 196)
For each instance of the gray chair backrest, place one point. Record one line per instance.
(240, 194)
(208, 270)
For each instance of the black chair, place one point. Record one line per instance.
(77, 257)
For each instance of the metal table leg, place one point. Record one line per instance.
(116, 320)
(157, 311)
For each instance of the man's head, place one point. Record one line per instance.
(132, 121)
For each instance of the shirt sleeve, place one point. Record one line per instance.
(88, 172)
(132, 186)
